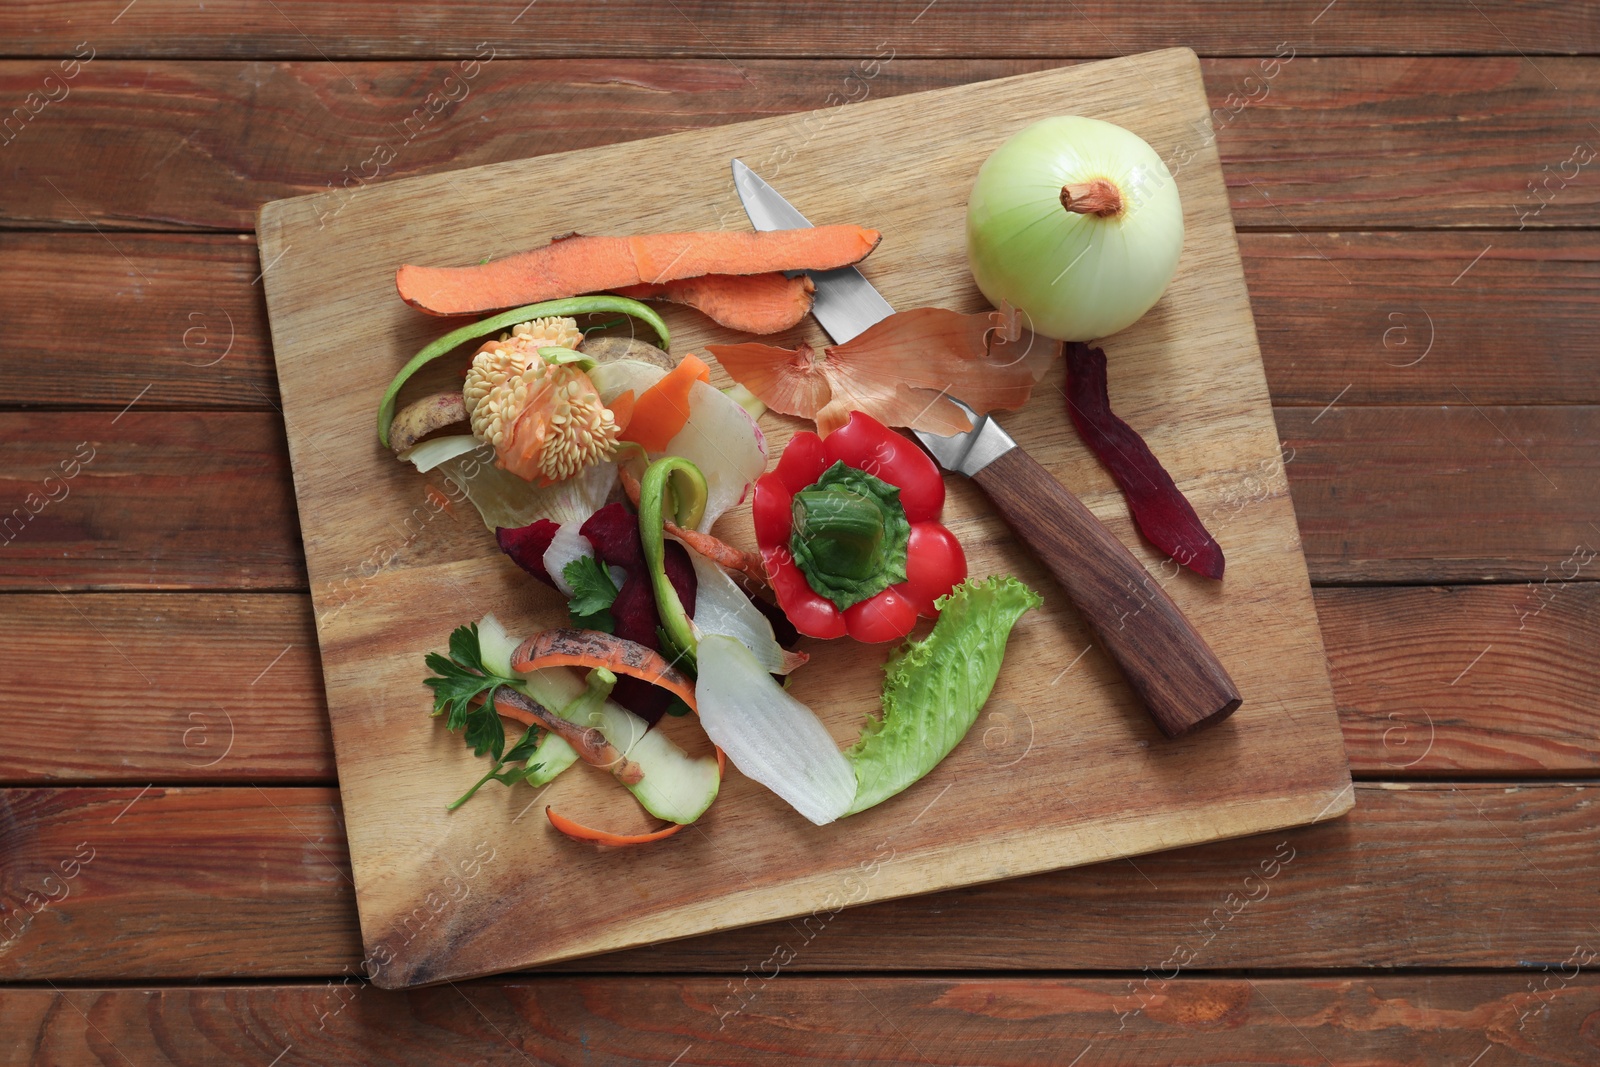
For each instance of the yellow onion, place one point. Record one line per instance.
(1076, 223)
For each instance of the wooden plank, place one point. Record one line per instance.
(1389, 649)
(213, 882)
(1347, 143)
(192, 882)
(192, 687)
(154, 500)
(1385, 1021)
(1393, 316)
(1452, 680)
(1284, 757)
(1462, 493)
(1412, 494)
(1091, 29)
(1320, 331)
(93, 319)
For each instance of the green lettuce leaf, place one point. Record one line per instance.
(936, 687)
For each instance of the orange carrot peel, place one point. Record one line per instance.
(567, 647)
(589, 743)
(662, 411)
(902, 371)
(750, 303)
(589, 648)
(577, 264)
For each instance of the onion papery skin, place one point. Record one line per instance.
(1076, 277)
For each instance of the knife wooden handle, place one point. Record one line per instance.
(1161, 654)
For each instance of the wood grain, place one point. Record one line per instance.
(1384, 494)
(192, 687)
(92, 319)
(213, 882)
(1279, 764)
(1385, 1021)
(156, 500)
(1091, 29)
(1392, 316)
(1504, 333)
(1385, 646)
(1462, 493)
(170, 882)
(1337, 143)
(1452, 680)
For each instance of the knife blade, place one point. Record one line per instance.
(1165, 660)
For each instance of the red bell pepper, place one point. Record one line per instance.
(910, 569)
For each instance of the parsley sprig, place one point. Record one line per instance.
(459, 679)
(593, 592)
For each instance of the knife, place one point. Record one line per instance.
(1165, 660)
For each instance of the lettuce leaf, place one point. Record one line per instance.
(936, 687)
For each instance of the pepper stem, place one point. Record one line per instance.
(1094, 197)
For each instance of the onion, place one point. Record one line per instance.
(467, 466)
(567, 546)
(768, 734)
(721, 607)
(1076, 223)
(721, 437)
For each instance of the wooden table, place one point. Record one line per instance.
(1416, 188)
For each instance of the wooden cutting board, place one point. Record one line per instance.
(1062, 768)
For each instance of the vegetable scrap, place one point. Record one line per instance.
(934, 688)
(577, 264)
(661, 411)
(750, 303)
(613, 536)
(849, 533)
(1075, 222)
(713, 548)
(528, 396)
(902, 371)
(933, 691)
(771, 737)
(1161, 511)
(688, 490)
(583, 305)
(478, 685)
(592, 746)
(587, 648)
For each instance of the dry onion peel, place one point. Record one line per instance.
(902, 371)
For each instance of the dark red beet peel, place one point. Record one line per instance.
(1160, 509)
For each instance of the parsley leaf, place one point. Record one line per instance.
(593, 594)
(457, 681)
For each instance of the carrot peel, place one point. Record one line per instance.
(567, 647)
(580, 264)
(750, 303)
(662, 410)
(579, 832)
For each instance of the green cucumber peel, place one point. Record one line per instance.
(688, 486)
(571, 306)
(566, 355)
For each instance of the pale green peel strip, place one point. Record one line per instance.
(577, 305)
